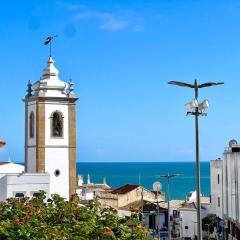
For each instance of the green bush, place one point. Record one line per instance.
(55, 218)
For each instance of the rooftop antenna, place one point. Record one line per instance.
(49, 41)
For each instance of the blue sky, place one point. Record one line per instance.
(120, 55)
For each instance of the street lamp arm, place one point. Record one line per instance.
(209, 84)
(181, 84)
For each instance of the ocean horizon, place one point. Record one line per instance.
(146, 173)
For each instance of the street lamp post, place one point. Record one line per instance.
(168, 177)
(197, 109)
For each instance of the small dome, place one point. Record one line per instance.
(49, 84)
(50, 70)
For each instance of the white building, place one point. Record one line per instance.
(188, 224)
(225, 189)
(231, 189)
(216, 187)
(89, 190)
(183, 215)
(23, 184)
(10, 167)
(50, 131)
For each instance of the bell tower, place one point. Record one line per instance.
(50, 130)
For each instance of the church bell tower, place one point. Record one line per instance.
(50, 130)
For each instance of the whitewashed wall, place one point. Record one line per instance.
(216, 188)
(188, 219)
(28, 183)
(231, 185)
(58, 159)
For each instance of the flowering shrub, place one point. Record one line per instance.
(37, 219)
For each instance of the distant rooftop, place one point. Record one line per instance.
(124, 189)
(2, 163)
(94, 185)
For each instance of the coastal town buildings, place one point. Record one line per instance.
(183, 215)
(127, 195)
(88, 191)
(155, 218)
(225, 190)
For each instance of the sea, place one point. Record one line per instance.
(146, 173)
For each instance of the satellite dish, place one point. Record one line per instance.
(232, 142)
(157, 186)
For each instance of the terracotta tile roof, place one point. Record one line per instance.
(3, 163)
(2, 143)
(124, 189)
(94, 186)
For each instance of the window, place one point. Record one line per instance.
(57, 173)
(152, 222)
(218, 178)
(218, 201)
(175, 213)
(31, 126)
(19, 195)
(57, 124)
(36, 194)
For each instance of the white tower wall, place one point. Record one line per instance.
(52, 148)
(30, 141)
(55, 159)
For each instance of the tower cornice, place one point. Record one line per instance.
(52, 99)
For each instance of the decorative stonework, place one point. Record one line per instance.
(72, 149)
(26, 137)
(40, 136)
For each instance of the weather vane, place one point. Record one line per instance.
(49, 40)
